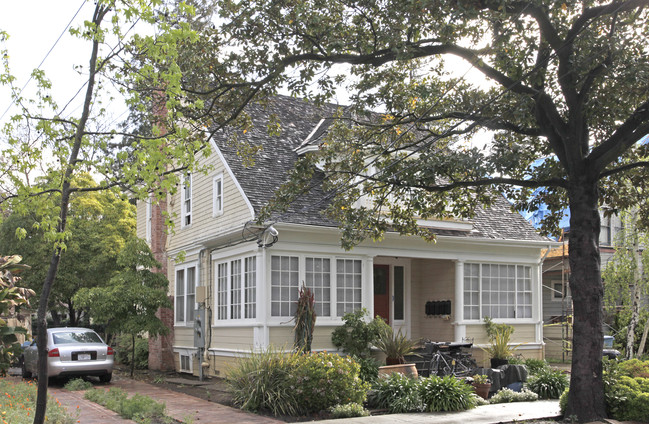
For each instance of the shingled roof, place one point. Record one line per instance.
(299, 120)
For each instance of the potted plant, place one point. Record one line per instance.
(395, 346)
(481, 385)
(499, 349)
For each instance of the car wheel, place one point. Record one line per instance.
(105, 378)
(25, 373)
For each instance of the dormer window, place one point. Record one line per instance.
(186, 205)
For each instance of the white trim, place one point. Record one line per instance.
(234, 179)
(216, 210)
(148, 220)
(189, 352)
(184, 267)
(303, 148)
(184, 214)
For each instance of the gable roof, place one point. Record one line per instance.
(302, 126)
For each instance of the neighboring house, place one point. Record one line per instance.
(557, 302)
(248, 275)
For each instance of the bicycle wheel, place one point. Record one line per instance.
(464, 367)
(439, 366)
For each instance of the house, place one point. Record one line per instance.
(247, 275)
(557, 301)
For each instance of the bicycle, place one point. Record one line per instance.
(456, 362)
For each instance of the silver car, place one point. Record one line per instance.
(72, 351)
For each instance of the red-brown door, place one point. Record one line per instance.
(382, 291)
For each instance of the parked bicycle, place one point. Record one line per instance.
(450, 359)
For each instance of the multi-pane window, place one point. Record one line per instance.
(336, 284)
(284, 284)
(186, 200)
(250, 287)
(317, 277)
(497, 291)
(217, 195)
(222, 291)
(348, 281)
(185, 294)
(236, 289)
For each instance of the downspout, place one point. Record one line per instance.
(208, 310)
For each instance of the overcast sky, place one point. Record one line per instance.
(34, 26)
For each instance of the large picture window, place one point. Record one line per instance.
(497, 291)
(236, 289)
(331, 280)
(185, 294)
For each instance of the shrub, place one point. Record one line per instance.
(369, 371)
(123, 351)
(534, 366)
(356, 335)
(397, 393)
(507, 395)
(634, 368)
(261, 382)
(563, 401)
(77, 384)
(446, 394)
(292, 384)
(349, 410)
(322, 380)
(548, 383)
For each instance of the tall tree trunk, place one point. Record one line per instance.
(132, 355)
(74, 322)
(643, 341)
(66, 190)
(587, 403)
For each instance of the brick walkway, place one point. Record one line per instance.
(85, 411)
(188, 408)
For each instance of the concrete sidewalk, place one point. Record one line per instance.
(488, 414)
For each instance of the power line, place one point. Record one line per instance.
(46, 56)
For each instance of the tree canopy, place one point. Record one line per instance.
(51, 143)
(100, 223)
(565, 82)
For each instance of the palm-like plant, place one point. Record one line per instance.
(395, 345)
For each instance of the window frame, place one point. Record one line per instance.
(336, 281)
(217, 197)
(238, 305)
(186, 198)
(525, 279)
(187, 315)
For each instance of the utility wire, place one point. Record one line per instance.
(46, 56)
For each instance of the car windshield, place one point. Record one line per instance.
(76, 337)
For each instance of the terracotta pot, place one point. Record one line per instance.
(482, 390)
(409, 370)
(496, 362)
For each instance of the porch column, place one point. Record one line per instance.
(460, 329)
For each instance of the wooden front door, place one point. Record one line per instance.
(382, 291)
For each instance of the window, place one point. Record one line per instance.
(318, 280)
(185, 301)
(322, 278)
(217, 195)
(497, 291)
(149, 218)
(186, 201)
(284, 281)
(236, 289)
(185, 363)
(399, 293)
(348, 278)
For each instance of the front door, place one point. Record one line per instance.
(382, 291)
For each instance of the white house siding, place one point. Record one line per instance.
(140, 228)
(204, 225)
